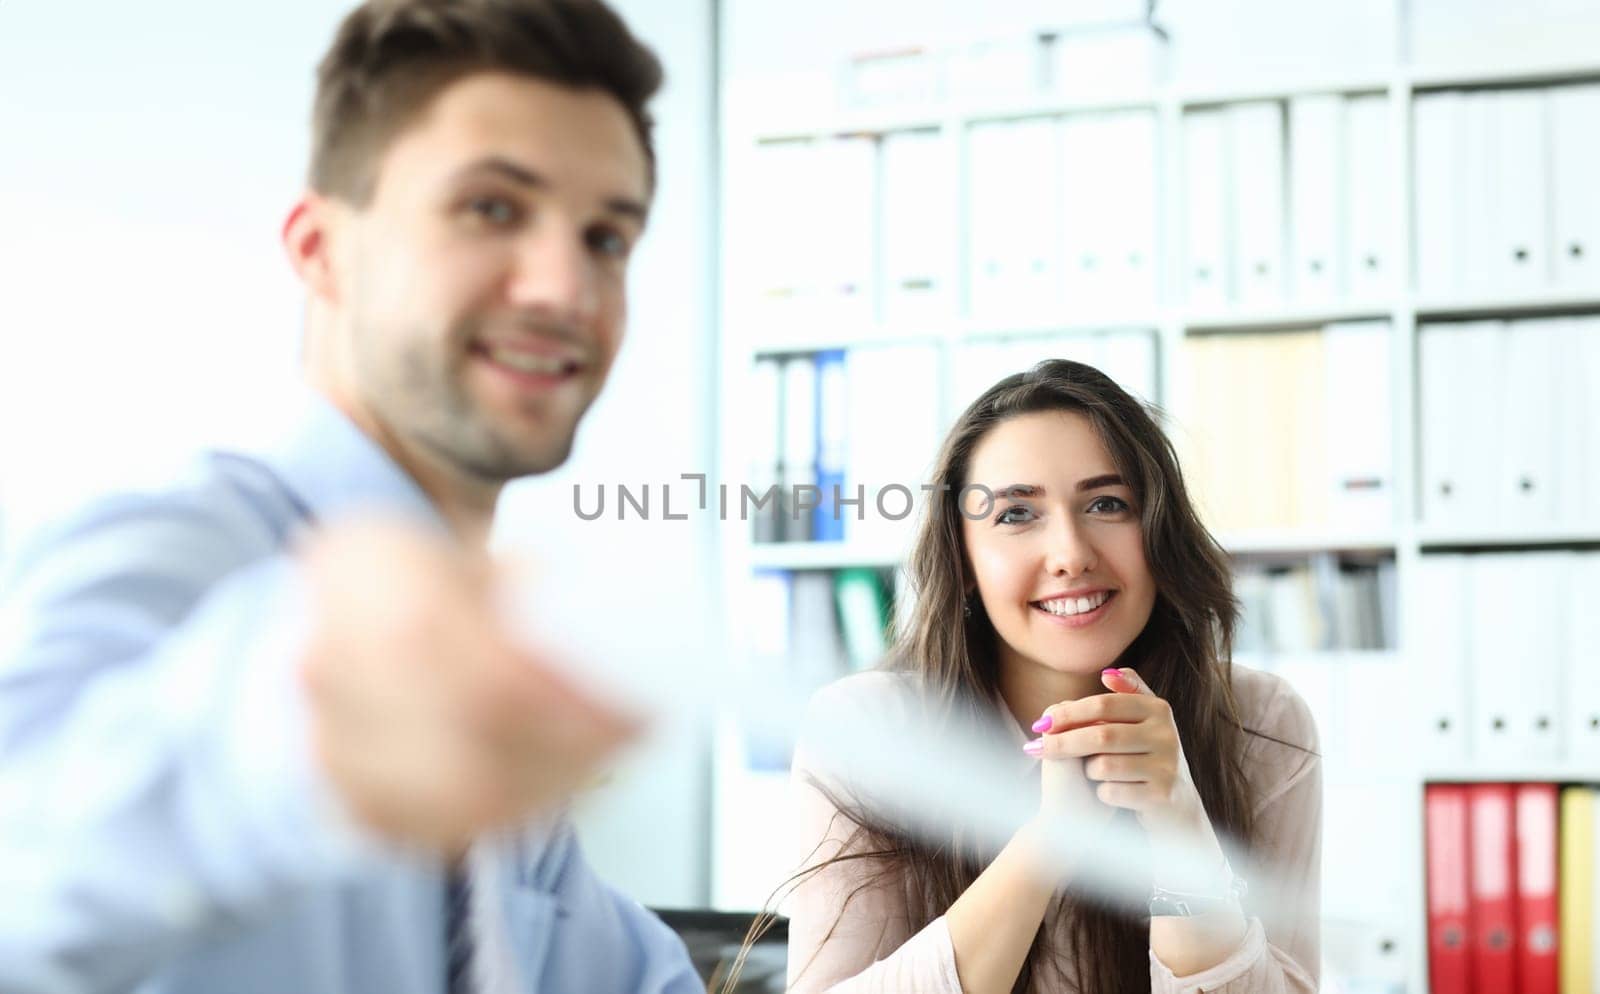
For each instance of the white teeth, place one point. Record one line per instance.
(1068, 606)
(523, 362)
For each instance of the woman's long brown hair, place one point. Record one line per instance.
(952, 653)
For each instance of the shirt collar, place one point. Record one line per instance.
(335, 469)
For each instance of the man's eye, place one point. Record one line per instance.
(496, 211)
(608, 242)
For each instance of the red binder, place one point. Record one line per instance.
(1537, 967)
(1492, 831)
(1445, 823)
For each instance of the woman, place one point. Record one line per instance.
(1087, 614)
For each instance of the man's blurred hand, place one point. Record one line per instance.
(433, 723)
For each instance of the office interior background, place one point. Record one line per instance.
(1352, 250)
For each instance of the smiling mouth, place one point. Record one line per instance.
(1074, 607)
(528, 364)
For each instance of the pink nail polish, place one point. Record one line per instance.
(1112, 670)
(1033, 747)
(1043, 724)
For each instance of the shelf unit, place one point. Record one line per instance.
(1172, 322)
(821, 555)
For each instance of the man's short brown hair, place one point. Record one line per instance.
(391, 57)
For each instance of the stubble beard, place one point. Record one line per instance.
(427, 399)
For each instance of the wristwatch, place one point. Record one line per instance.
(1185, 904)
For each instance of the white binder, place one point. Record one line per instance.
(846, 250)
(1575, 166)
(1437, 641)
(1299, 400)
(1519, 254)
(1091, 203)
(919, 216)
(1108, 216)
(1586, 359)
(1206, 277)
(767, 600)
(892, 393)
(1518, 607)
(1576, 406)
(1462, 428)
(1135, 258)
(1360, 434)
(1583, 660)
(1296, 622)
(1257, 175)
(990, 261)
(1528, 475)
(1015, 249)
(1316, 195)
(785, 268)
(1438, 192)
(1481, 188)
(816, 646)
(1371, 260)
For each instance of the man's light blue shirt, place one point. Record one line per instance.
(164, 827)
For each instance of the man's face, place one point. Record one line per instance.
(483, 287)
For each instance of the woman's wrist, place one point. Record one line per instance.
(1184, 817)
(1205, 891)
(1189, 858)
(1037, 843)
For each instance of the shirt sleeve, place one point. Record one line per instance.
(156, 780)
(849, 933)
(1281, 950)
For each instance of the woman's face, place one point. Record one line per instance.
(1059, 558)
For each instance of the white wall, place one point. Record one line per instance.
(151, 152)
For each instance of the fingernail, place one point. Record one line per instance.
(1112, 670)
(1033, 747)
(1043, 724)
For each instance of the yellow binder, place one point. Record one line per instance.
(1577, 889)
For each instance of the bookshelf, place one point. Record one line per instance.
(1173, 320)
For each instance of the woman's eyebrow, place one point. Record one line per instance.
(1020, 490)
(1034, 490)
(1104, 480)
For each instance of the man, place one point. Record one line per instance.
(263, 730)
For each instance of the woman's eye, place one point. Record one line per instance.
(1013, 515)
(1108, 505)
